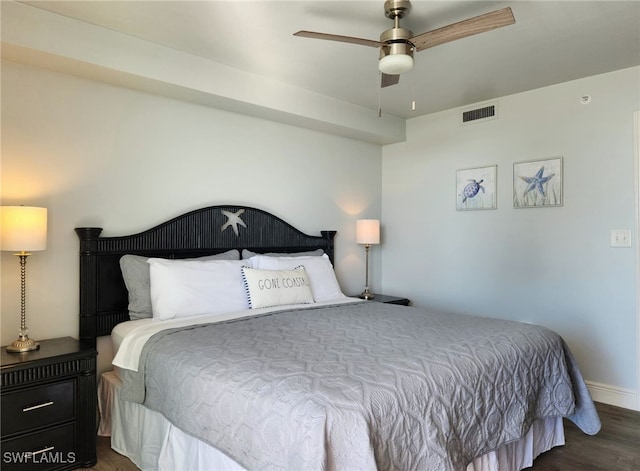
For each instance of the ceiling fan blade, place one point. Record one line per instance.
(462, 29)
(336, 37)
(388, 80)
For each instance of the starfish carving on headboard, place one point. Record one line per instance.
(233, 219)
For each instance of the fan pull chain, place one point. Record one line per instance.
(380, 97)
(413, 92)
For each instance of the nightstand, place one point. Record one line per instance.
(48, 402)
(383, 298)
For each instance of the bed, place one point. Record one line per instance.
(270, 366)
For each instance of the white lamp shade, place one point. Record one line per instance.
(23, 228)
(368, 231)
(395, 64)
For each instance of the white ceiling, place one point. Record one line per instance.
(551, 42)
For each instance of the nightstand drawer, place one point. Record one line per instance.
(38, 407)
(48, 449)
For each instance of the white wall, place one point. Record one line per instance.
(99, 155)
(551, 266)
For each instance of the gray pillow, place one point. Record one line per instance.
(135, 271)
(311, 253)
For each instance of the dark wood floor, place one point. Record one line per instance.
(615, 448)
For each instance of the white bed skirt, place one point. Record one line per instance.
(152, 443)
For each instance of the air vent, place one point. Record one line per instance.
(485, 112)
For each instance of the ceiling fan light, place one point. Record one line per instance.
(395, 64)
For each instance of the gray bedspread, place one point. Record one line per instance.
(360, 386)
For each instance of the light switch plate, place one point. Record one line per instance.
(620, 238)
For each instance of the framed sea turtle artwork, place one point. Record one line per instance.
(476, 188)
(537, 183)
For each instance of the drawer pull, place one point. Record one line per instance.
(44, 450)
(39, 406)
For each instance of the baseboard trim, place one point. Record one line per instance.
(612, 395)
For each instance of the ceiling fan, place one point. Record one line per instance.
(398, 44)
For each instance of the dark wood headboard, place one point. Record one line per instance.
(206, 231)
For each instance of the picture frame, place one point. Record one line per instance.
(538, 183)
(476, 188)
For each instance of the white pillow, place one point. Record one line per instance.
(266, 288)
(181, 288)
(324, 284)
(135, 273)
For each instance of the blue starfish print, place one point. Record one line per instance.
(537, 181)
(233, 220)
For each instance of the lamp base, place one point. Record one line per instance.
(23, 344)
(366, 294)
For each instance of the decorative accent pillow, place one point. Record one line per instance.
(135, 272)
(324, 284)
(246, 254)
(182, 288)
(266, 288)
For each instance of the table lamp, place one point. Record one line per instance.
(23, 229)
(367, 233)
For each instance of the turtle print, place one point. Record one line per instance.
(471, 189)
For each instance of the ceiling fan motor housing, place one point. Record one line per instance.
(396, 48)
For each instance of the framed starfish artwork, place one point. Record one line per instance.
(476, 188)
(537, 183)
